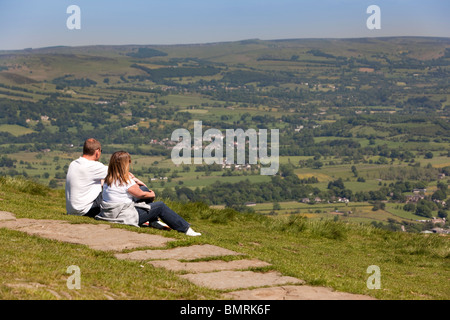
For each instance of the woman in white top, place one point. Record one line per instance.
(122, 193)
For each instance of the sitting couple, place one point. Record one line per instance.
(121, 198)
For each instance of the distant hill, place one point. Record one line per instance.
(96, 62)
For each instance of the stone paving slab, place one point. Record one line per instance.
(208, 266)
(180, 253)
(96, 236)
(294, 293)
(225, 280)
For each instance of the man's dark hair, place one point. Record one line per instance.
(90, 146)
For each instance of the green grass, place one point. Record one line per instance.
(321, 252)
(15, 129)
(393, 208)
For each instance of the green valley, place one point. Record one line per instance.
(364, 123)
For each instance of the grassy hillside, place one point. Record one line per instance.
(322, 252)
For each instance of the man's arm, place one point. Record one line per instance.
(99, 172)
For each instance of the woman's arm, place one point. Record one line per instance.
(139, 182)
(136, 192)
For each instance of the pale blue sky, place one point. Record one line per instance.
(42, 23)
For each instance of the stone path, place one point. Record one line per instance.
(215, 273)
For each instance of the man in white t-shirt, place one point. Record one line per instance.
(84, 181)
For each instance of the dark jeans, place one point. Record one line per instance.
(93, 212)
(95, 209)
(160, 210)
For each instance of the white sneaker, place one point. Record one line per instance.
(192, 233)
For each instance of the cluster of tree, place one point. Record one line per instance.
(423, 103)
(208, 168)
(319, 53)
(64, 81)
(147, 53)
(7, 162)
(441, 193)
(242, 77)
(337, 188)
(159, 75)
(394, 225)
(153, 171)
(235, 195)
(425, 208)
(166, 113)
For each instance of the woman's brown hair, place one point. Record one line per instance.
(118, 168)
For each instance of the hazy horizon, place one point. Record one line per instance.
(41, 24)
(210, 43)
